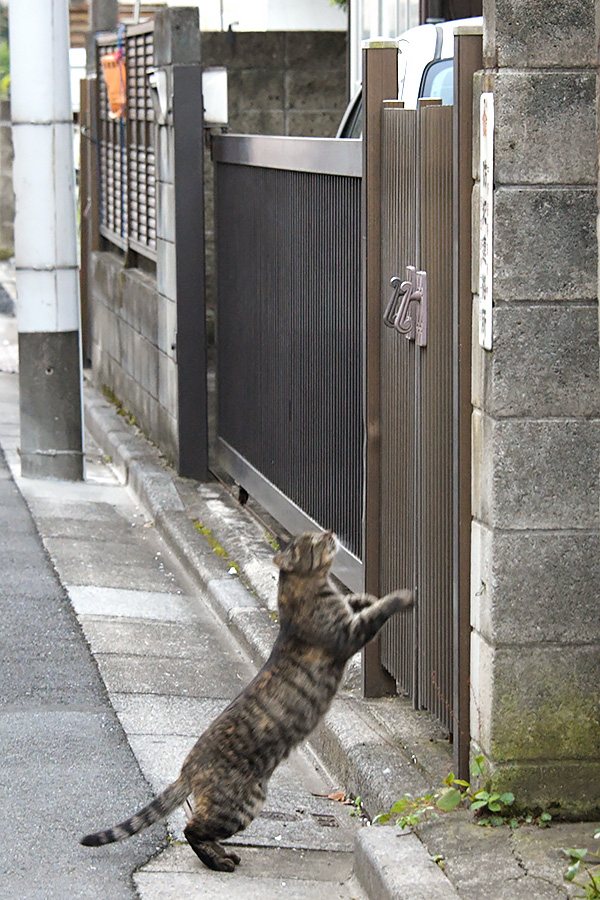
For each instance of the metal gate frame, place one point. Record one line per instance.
(468, 59)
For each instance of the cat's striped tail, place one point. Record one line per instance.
(165, 803)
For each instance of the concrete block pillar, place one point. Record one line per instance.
(536, 422)
(180, 235)
(103, 15)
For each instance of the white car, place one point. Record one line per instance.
(425, 69)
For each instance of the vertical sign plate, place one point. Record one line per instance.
(486, 208)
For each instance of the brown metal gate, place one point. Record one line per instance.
(420, 525)
(416, 399)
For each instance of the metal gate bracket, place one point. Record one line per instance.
(407, 307)
(420, 294)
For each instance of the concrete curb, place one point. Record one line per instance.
(350, 741)
(394, 865)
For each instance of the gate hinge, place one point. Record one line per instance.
(407, 308)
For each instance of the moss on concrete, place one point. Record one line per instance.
(215, 546)
(566, 790)
(565, 726)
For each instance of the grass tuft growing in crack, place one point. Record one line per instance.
(121, 411)
(215, 546)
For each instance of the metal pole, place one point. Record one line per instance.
(103, 15)
(467, 60)
(46, 241)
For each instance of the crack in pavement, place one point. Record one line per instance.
(520, 861)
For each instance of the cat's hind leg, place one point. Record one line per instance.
(227, 852)
(214, 855)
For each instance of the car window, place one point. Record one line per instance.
(354, 123)
(351, 124)
(438, 81)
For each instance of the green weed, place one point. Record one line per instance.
(490, 809)
(586, 877)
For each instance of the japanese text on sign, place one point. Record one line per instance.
(486, 209)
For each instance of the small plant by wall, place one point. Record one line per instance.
(490, 808)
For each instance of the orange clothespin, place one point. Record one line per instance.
(113, 67)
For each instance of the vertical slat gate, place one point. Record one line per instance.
(435, 516)
(425, 396)
(417, 406)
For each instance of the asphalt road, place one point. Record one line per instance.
(63, 749)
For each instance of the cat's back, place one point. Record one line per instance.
(275, 712)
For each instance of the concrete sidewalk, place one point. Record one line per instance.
(61, 740)
(169, 666)
(377, 749)
(174, 586)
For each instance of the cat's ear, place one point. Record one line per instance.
(285, 559)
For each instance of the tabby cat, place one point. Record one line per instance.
(229, 767)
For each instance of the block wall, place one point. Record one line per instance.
(132, 336)
(536, 427)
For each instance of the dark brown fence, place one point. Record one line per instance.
(126, 158)
(289, 331)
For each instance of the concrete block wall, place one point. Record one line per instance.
(536, 422)
(132, 333)
(282, 82)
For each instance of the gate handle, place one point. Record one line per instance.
(410, 317)
(401, 288)
(404, 322)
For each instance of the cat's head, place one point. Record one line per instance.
(308, 553)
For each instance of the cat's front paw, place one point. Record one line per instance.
(402, 599)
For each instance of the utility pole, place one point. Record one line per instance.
(46, 241)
